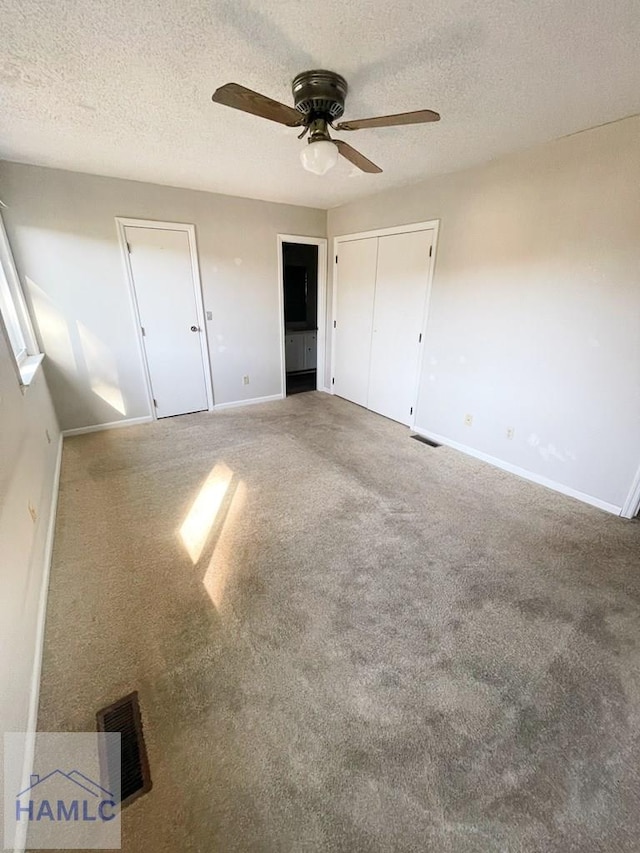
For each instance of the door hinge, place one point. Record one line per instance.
(128, 247)
(143, 331)
(335, 324)
(420, 338)
(430, 250)
(333, 381)
(155, 402)
(411, 410)
(336, 259)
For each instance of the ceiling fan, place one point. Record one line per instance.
(319, 98)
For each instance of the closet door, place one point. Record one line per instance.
(354, 318)
(400, 296)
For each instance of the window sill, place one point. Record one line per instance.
(29, 368)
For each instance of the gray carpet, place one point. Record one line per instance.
(381, 646)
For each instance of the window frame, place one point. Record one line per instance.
(15, 315)
(11, 322)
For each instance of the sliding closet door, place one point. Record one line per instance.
(354, 318)
(400, 295)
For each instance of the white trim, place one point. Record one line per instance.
(9, 312)
(520, 472)
(430, 225)
(252, 401)
(122, 240)
(385, 232)
(190, 230)
(126, 422)
(631, 506)
(17, 294)
(321, 316)
(425, 319)
(28, 368)
(34, 692)
(4, 332)
(334, 312)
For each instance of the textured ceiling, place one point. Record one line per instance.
(123, 88)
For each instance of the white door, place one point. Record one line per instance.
(401, 290)
(166, 296)
(354, 318)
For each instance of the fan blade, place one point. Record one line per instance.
(417, 117)
(239, 98)
(356, 157)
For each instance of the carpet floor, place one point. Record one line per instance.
(345, 640)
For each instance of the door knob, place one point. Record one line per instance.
(194, 328)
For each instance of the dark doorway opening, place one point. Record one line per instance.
(300, 283)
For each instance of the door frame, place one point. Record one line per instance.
(429, 225)
(321, 318)
(631, 506)
(123, 222)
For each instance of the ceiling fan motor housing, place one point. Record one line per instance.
(320, 94)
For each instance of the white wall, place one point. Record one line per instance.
(63, 234)
(27, 469)
(535, 310)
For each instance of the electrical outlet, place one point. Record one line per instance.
(245, 380)
(468, 420)
(510, 432)
(32, 512)
(46, 432)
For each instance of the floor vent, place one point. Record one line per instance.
(124, 716)
(424, 440)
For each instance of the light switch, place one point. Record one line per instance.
(209, 315)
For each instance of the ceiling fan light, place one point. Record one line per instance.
(320, 156)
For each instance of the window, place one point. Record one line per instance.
(10, 317)
(14, 313)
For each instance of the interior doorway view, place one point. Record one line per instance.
(382, 286)
(300, 290)
(163, 273)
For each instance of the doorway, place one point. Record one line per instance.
(302, 283)
(162, 268)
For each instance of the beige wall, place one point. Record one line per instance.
(27, 467)
(535, 310)
(62, 230)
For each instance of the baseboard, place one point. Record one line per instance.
(111, 425)
(34, 693)
(520, 472)
(251, 402)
